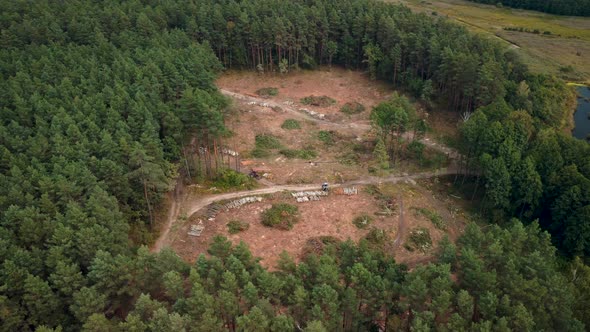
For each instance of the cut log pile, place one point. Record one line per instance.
(196, 230)
(314, 114)
(346, 191)
(306, 196)
(239, 202)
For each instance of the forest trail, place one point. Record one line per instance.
(195, 205)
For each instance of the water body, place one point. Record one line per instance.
(582, 115)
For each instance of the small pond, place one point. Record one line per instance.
(582, 115)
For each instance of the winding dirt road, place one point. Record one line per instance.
(195, 205)
(201, 202)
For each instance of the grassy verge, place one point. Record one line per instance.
(566, 43)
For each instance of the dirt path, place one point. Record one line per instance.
(172, 214)
(200, 203)
(289, 109)
(451, 153)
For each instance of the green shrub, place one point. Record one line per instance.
(327, 137)
(362, 221)
(321, 101)
(376, 236)
(281, 216)
(433, 216)
(291, 124)
(228, 178)
(267, 141)
(299, 154)
(416, 150)
(235, 226)
(260, 153)
(419, 239)
(352, 108)
(266, 92)
(348, 158)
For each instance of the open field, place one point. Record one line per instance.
(567, 45)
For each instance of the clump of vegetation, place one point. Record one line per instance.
(380, 154)
(387, 203)
(264, 143)
(352, 108)
(326, 137)
(267, 141)
(235, 226)
(348, 158)
(567, 69)
(317, 245)
(376, 237)
(281, 216)
(521, 29)
(362, 221)
(419, 239)
(433, 216)
(267, 92)
(228, 179)
(354, 154)
(321, 101)
(291, 124)
(299, 154)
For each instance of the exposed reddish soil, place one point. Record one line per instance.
(337, 83)
(333, 215)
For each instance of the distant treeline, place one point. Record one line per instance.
(98, 101)
(559, 7)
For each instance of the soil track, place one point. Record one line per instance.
(360, 126)
(198, 204)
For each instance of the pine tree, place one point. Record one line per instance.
(380, 154)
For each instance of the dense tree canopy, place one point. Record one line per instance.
(99, 99)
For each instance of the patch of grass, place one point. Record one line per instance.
(267, 92)
(321, 101)
(362, 221)
(228, 179)
(326, 137)
(352, 108)
(260, 153)
(567, 33)
(353, 155)
(267, 141)
(264, 143)
(291, 124)
(299, 154)
(235, 226)
(281, 216)
(348, 158)
(419, 239)
(433, 216)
